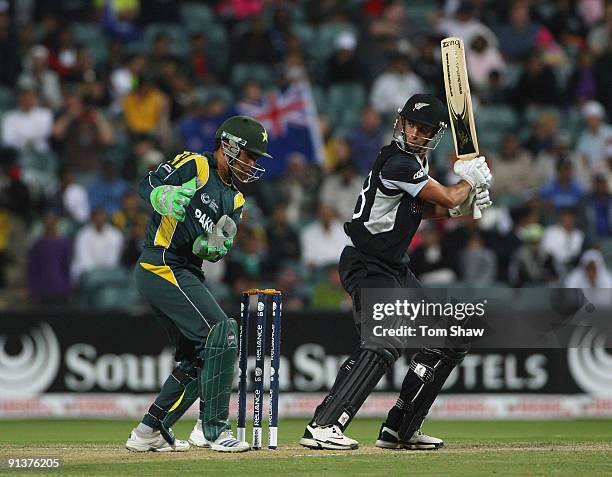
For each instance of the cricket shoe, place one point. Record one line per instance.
(226, 442)
(389, 439)
(197, 438)
(154, 442)
(327, 437)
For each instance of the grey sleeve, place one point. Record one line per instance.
(404, 173)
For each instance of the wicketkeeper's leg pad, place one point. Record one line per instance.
(216, 377)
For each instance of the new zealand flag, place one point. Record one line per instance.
(290, 117)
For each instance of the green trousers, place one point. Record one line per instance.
(187, 311)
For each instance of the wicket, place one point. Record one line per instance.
(264, 296)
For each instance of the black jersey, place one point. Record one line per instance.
(388, 211)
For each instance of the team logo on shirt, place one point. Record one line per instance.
(419, 174)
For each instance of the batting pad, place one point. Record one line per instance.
(216, 377)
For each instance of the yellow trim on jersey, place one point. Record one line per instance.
(165, 231)
(183, 158)
(163, 271)
(203, 170)
(176, 404)
(238, 200)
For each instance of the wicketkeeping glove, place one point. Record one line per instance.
(172, 200)
(215, 245)
(475, 172)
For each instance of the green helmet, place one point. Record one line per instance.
(247, 132)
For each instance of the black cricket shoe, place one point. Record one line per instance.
(389, 439)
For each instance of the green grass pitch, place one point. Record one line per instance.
(500, 448)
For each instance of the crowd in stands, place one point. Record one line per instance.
(95, 93)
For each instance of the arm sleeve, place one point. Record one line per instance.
(404, 173)
(179, 170)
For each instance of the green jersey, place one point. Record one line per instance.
(213, 198)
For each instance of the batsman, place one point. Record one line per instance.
(396, 195)
(196, 211)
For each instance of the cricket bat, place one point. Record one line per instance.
(459, 101)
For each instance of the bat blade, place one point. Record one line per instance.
(459, 101)
(458, 98)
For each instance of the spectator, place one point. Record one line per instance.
(582, 84)
(81, 133)
(328, 292)
(518, 37)
(49, 265)
(593, 141)
(546, 162)
(593, 277)
(465, 25)
(483, 58)
(543, 133)
(44, 80)
(98, 245)
(285, 239)
(344, 65)
(198, 58)
(63, 52)
(323, 240)
(601, 35)
(134, 242)
(427, 65)
(9, 50)
(125, 78)
(146, 110)
(298, 189)
(27, 128)
(159, 57)
(254, 45)
(197, 129)
(428, 261)
(392, 87)
(563, 241)
(531, 266)
(71, 199)
(341, 189)
(145, 156)
(366, 140)
(295, 293)
(513, 169)
(537, 85)
(108, 191)
(477, 263)
(564, 191)
(598, 208)
(130, 214)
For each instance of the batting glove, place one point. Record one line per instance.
(474, 172)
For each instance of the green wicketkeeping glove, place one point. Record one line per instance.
(208, 252)
(172, 200)
(215, 245)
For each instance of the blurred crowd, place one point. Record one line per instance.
(95, 93)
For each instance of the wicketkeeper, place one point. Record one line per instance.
(197, 209)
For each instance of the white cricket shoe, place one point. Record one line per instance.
(420, 441)
(154, 442)
(327, 437)
(197, 438)
(389, 439)
(226, 442)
